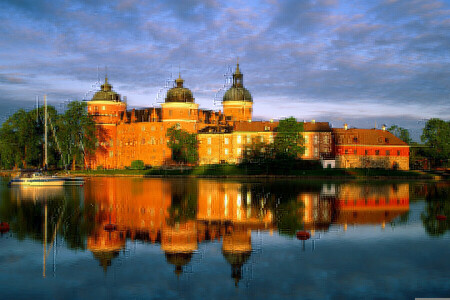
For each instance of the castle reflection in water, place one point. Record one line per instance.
(179, 215)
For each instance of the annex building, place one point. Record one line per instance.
(224, 136)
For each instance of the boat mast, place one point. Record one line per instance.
(45, 132)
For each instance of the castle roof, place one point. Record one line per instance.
(356, 136)
(237, 92)
(179, 93)
(106, 93)
(316, 126)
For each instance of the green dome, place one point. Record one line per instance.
(179, 93)
(237, 92)
(106, 93)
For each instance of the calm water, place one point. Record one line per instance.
(124, 238)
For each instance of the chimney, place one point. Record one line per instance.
(345, 126)
(313, 121)
(383, 127)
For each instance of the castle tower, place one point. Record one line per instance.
(237, 101)
(106, 107)
(179, 107)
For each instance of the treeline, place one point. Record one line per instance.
(71, 137)
(435, 147)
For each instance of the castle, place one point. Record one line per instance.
(225, 137)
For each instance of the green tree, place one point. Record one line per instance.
(288, 143)
(401, 133)
(76, 133)
(22, 139)
(436, 136)
(183, 145)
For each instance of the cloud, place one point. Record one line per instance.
(391, 53)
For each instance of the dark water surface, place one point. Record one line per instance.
(128, 238)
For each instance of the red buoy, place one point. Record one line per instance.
(110, 227)
(4, 227)
(303, 235)
(441, 217)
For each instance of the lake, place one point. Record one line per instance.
(152, 238)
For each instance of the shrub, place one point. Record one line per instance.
(137, 165)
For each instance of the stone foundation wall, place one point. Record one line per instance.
(372, 161)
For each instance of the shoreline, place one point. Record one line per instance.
(326, 174)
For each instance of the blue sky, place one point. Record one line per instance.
(360, 62)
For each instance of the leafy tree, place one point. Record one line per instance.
(288, 143)
(183, 145)
(22, 139)
(436, 136)
(401, 133)
(76, 133)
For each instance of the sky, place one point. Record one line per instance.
(365, 63)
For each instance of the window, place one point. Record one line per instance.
(111, 154)
(346, 151)
(316, 152)
(103, 107)
(261, 139)
(111, 143)
(226, 151)
(306, 139)
(316, 139)
(209, 141)
(377, 152)
(238, 139)
(170, 112)
(226, 141)
(388, 152)
(143, 142)
(143, 128)
(249, 139)
(153, 128)
(239, 150)
(366, 152)
(398, 152)
(209, 151)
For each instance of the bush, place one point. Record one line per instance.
(137, 165)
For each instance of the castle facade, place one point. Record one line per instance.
(224, 137)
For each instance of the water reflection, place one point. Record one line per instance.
(179, 215)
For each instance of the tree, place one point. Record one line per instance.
(288, 143)
(76, 133)
(183, 145)
(401, 133)
(22, 139)
(436, 136)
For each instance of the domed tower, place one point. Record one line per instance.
(106, 105)
(237, 249)
(179, 107)
(237, 101)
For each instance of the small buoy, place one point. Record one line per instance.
(441, 217)
(4, 227)
(110, 227)
(303, 235)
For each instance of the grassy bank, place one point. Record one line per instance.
(239, 170)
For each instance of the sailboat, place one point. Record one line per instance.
(39, 179)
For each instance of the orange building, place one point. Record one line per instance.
(125, 135)
(369, 148)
